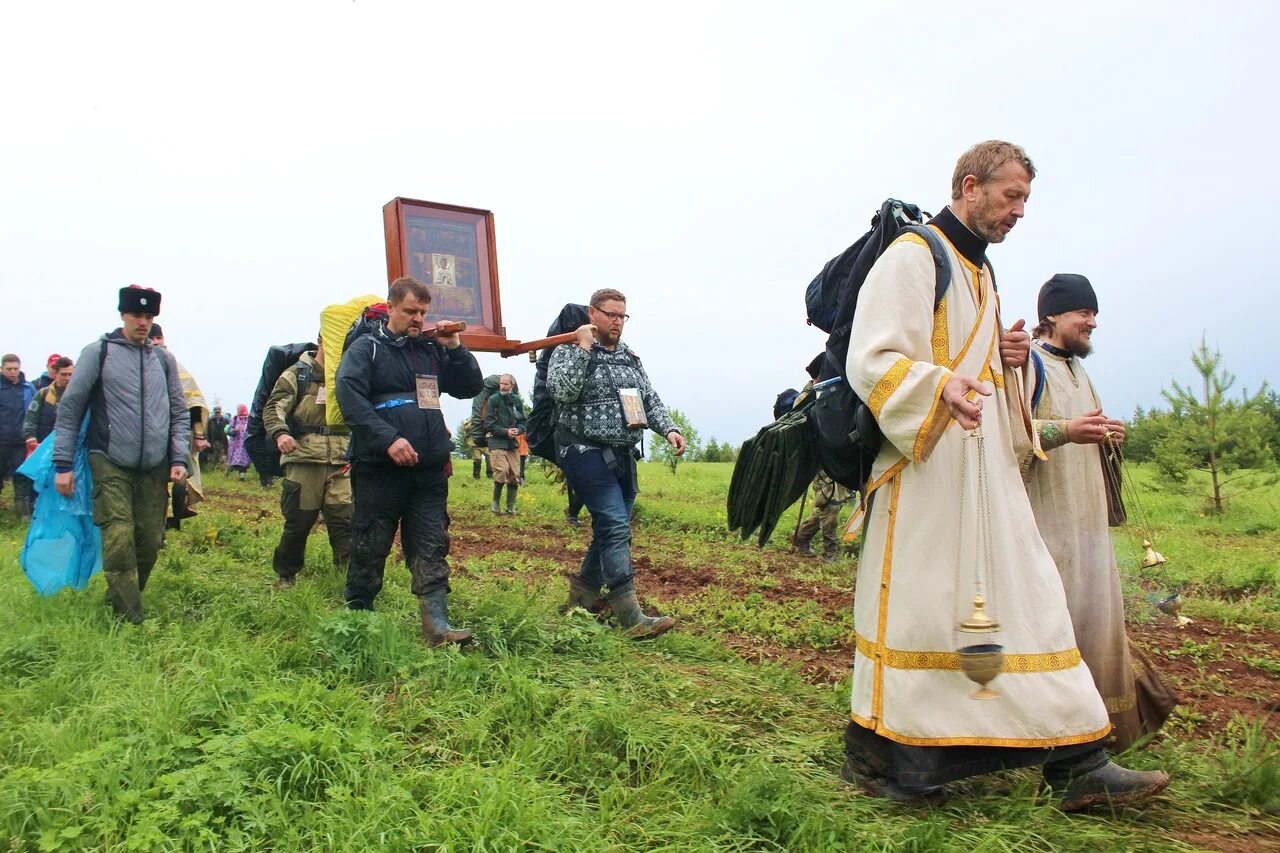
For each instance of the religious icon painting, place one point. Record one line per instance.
(444, 270)
(452, 251)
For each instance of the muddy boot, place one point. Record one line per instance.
(634, 622)
(435, 620)
(124, 596)
(830, 549)
(871, 785)
(1107, 785)
(475, 469)
(582, 595)
(495, 505)
(512, 488)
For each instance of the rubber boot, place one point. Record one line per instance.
(435, 620)
(830, 549)
(1107, 785)
(512, 488)
(634, 622)
(497, 497)
(582, 595)
(572, 519)
(475, 469)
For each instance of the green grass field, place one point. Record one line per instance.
(241, 717)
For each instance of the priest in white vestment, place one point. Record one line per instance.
(1074, 495)
(930, 375)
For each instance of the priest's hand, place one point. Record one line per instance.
(1116, 431)
(1090, 428)
(1015, 346)
(968, 413)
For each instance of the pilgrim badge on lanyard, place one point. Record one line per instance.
(320, 396)
(428, 392)
(632, 408)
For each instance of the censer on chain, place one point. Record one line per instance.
(981, 659)
(1123, 491)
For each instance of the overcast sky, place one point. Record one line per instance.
(706, 159)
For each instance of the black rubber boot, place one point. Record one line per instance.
(496, 505)
(637, 625)
(512, 488)
(1107, 785)
(435, 620)
(475, 469)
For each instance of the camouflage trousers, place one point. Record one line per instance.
(309, 489)
(128, 507)
(826, 518)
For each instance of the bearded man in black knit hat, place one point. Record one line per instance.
(1075, 494)
(139, 441)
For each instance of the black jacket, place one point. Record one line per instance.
(380, 367)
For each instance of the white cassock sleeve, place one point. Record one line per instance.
(891, 354)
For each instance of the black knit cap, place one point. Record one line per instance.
(1066, 292)
(156, 331)
(136, 299)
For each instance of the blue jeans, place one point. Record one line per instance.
(608, 493)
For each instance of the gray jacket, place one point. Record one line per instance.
(138, 412)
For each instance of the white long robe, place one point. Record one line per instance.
(915, 577)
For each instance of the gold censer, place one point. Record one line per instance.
(981, 659)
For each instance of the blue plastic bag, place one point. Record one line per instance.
(64, 546)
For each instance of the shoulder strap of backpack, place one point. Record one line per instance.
(1037, 364)
(941, 263)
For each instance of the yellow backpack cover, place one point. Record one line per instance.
(335, 322)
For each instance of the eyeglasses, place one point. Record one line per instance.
(611, 315)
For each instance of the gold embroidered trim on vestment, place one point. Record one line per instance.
(935, 423)
(877, 692)
(939, 341)
(1120, 704)
(887, 385)
(1069, 740)
(1014, 664)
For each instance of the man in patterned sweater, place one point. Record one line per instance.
(605, 402)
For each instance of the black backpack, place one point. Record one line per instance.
(846, 436)
(542, 420)
(263, 452)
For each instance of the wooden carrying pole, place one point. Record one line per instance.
(541, 343)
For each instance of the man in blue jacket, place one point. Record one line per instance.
(15, 395)
(389, 385)
(139, 441)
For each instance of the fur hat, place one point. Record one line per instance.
(136, 299)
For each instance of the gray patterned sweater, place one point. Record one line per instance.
(588, 402)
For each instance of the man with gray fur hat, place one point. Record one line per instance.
(139, 439)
